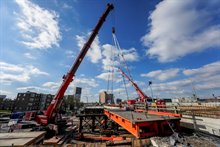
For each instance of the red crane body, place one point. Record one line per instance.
(68, 78)
(143, 97)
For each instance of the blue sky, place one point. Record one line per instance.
(174, 44)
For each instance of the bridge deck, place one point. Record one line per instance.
(137, 117)
(142, 124)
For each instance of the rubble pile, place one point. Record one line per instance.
(185, 141)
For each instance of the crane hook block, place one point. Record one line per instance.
(113, 30)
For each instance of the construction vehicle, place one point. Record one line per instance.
(142, 102)
(51, 115)
(142, 96)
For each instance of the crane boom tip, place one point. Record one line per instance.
(111, 6)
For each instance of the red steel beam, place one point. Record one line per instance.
(134, 128)
(164, 113)
(159, 113)
(125, 123)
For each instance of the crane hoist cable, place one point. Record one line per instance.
(120, 51)
(110, 70)
(117, 46)
(111, 67)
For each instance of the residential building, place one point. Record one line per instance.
(32, 101)
(28, 101)
(45, 101)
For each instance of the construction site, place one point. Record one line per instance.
(137, 122)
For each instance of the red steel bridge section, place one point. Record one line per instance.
(143, 125)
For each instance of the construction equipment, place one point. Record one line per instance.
(143, 98)
(142, 95)
(50, 115)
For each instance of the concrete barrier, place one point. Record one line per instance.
(203, 124)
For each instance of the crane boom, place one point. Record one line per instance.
(56, 102)
(142, 95)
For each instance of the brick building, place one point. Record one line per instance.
(105, 98)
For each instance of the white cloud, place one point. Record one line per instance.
(35, 71)
(94, 53)
(112, 57)
(11, 72)
(108, 54)
(208, 83)
(70, 54)
(162, 75)
(119, 91)
(108, 61)
(172, 86)
(3, 92)
(116, 77)
(39, 27)
(179, 28)
(29, 56)
(34, 89)
(10, 67)
(208, 70)
(66, 6)
(130, 54)
(205, 77)
(83, 82)
(77, 82)
(203, 80)
(51, 85)
(105, 76)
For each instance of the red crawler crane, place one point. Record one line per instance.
(52, 110)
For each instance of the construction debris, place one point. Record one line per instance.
(186, 141)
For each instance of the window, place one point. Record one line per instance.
(32, 94)
(29, 104)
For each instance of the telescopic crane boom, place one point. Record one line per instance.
(58, 98)
(143, 97)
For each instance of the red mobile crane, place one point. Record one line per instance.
(52, 110)
(143, 97)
